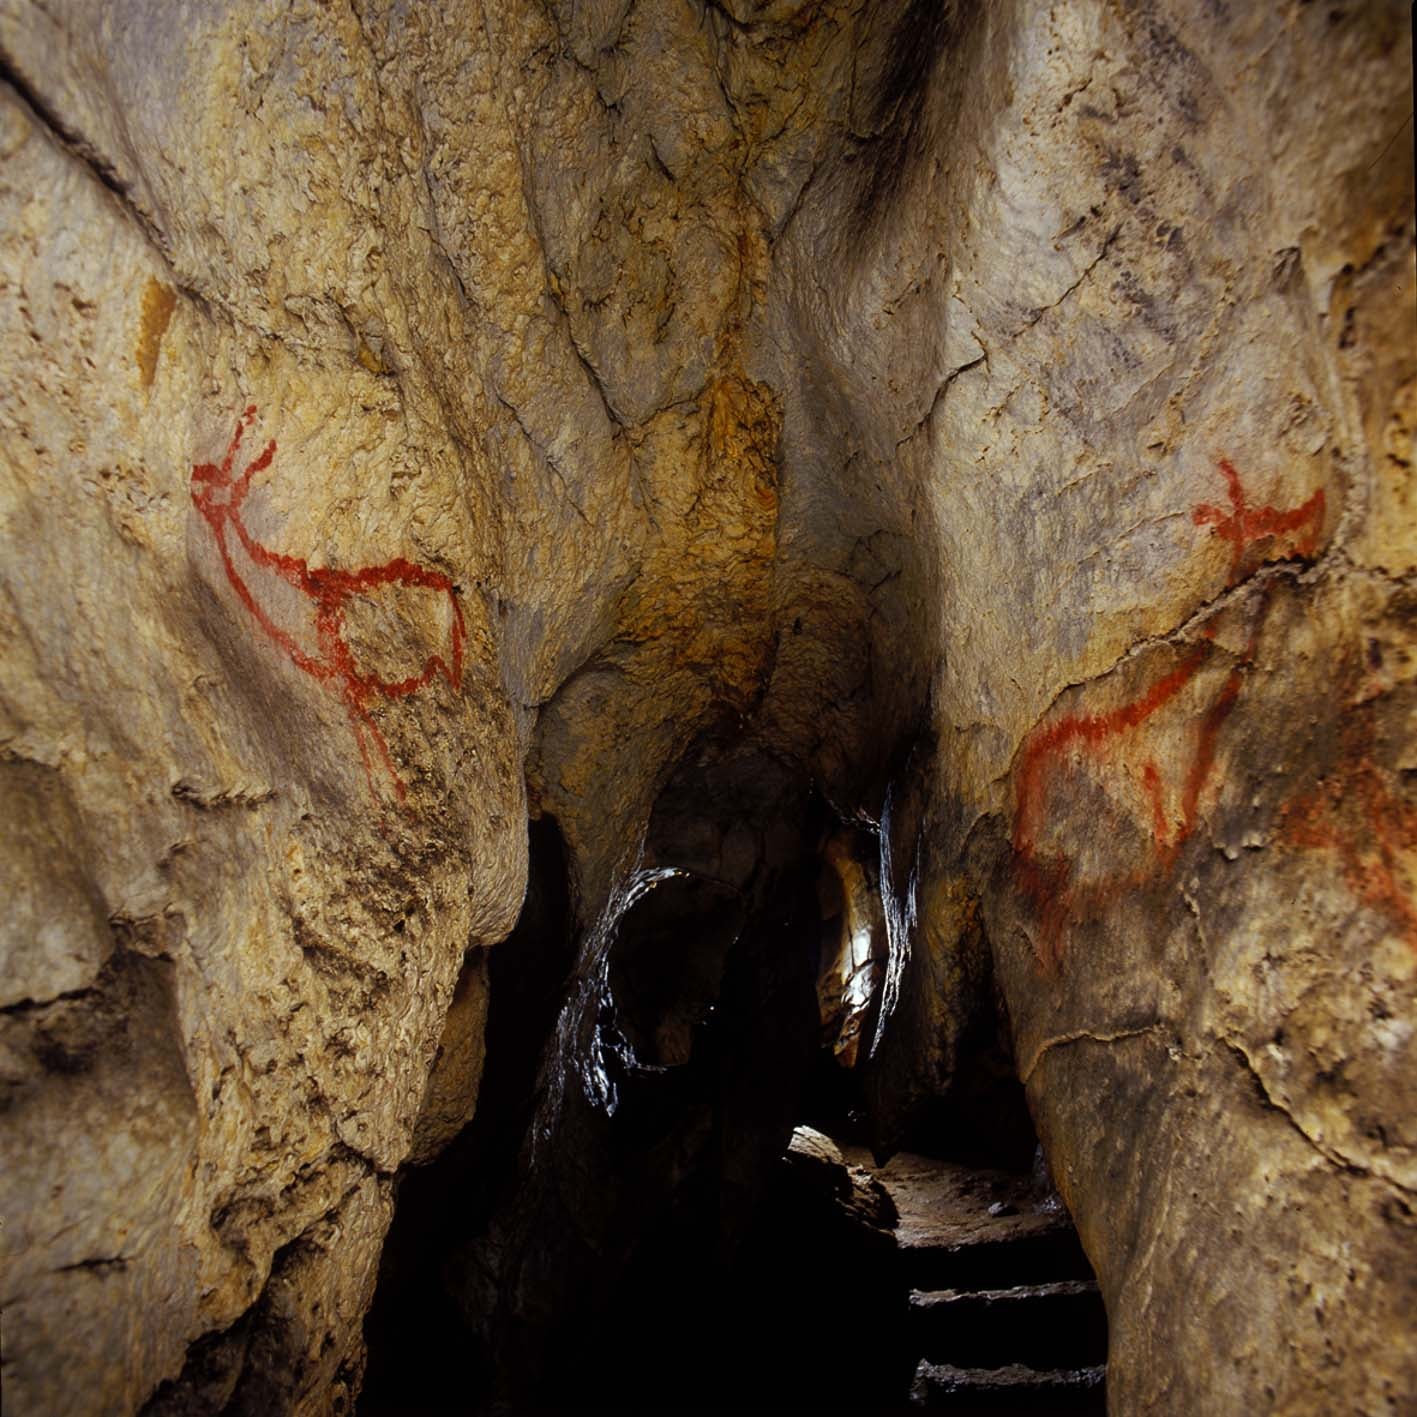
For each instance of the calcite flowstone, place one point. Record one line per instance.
(1002, 414)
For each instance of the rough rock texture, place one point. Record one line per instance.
(818, 1161)
(992, 421)
(1169, 468)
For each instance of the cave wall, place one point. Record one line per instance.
(1168, 464)
(1034, 388)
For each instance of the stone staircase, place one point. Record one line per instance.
(1004, 1312)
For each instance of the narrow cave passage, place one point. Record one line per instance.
(688, 1210)
(642, 645)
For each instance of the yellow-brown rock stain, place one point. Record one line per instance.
(703, 599)
(159, 301)
(369, 359)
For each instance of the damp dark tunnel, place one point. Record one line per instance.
(697, 1179)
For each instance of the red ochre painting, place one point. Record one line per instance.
(1052, 880)
(1247, 528)
(1354, 813)
(220, 496)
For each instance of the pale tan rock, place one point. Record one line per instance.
(1149, 712)
(272, 938)
(450, 1097)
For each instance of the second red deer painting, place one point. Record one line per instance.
(1114, 749)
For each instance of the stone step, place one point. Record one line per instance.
(1038, 1257)
(1013, 1391)
(1042, 1326)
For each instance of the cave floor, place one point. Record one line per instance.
(1004, 1312)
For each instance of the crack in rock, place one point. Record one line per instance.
(1083, 1035)
(1330, 1153)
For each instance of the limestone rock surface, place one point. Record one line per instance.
(991, 422)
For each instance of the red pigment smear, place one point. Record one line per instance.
(1049, 881)
(1354, 813)
(219, 498)
(1244, 526)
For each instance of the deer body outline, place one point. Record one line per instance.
(219, 496)
(1050, 878)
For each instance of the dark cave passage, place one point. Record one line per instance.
(695, 1214)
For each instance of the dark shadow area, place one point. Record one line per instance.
(622, 1227)
(620, 1275)
(422, 1355)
